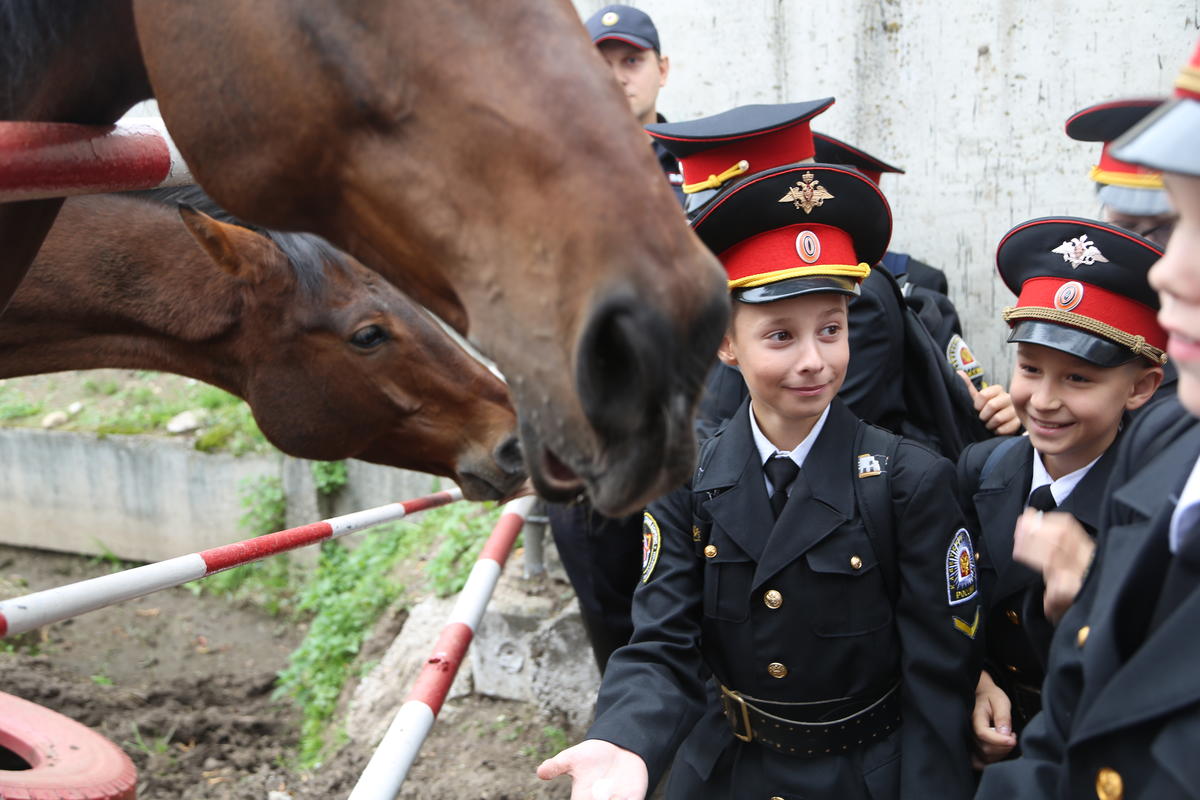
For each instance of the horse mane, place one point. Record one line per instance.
(307, 253)
(28, 30)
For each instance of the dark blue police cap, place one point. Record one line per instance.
(623, 24)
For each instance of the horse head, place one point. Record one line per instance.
(480, 156)
(342, 365)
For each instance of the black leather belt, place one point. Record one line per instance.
(828, 727)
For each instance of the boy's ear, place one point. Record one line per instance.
(1144, 388)
(726, 352)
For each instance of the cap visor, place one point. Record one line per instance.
(1091, 348)
(1166, 140)
(627, 38)
(1138, 202)
(794, 287)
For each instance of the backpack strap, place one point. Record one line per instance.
(874, 456)
(994, 457)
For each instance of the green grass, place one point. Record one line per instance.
(14, 405)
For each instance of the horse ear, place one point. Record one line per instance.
(239, 251)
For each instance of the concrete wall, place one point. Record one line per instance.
(147, 498)
(969, 97)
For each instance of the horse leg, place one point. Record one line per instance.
(23, 226)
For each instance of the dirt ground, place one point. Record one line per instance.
(183, 683)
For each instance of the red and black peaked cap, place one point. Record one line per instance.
(1081, 288)
(797, 229)
(1126, 187)
(1169, 138)
(834, 151)
(741, 141)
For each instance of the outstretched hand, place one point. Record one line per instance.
(1056, 545)
(599, 770)
(995, 407)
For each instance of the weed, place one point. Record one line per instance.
(101, 679)
(14, 405)
(466, 531)
(105, 387)
(265, 503)
(105, 556)
(554, 740)
(329, 476)
(154, 746)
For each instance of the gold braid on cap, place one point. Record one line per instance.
(1189, 79)
(1135, 343)
(715, 181)
(1141, 180)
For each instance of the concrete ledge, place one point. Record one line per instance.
(146, 498)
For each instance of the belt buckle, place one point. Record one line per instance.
(748, 736)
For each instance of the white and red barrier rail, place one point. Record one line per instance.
(389, 765)
(56, 159)
(31, 611)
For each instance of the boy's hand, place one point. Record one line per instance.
(995, 407)
(599, 770)
(1056, 545)
(991, 723)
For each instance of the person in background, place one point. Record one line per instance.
(1121, 701)
(1089, 352)
(628, 40)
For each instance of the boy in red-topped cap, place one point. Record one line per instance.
(1089, 352)
(816, 567)
(1121, 700)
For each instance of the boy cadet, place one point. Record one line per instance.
(1121, 700)
(1130, 196)
(628, 40)
(1089, 351)
(815, 566)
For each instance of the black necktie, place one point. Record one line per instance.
(1042, 499)
(781, 471)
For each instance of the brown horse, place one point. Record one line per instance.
(475, 153)
(334, 361)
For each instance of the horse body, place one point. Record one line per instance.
(480, 157)
(334, 362)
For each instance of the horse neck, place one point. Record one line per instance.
(70, 62)
(121, 283)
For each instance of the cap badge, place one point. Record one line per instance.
(1080, 251)
(808, 247)
(610, 19)
(807, 194)
(1068, 296)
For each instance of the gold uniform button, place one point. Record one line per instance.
(776, 797)
(1080, 638)
(1109, 785)
(1012, 668)
(776, 670)
(710, 551)
(1013, 617)
(772, 598)
(855, 562)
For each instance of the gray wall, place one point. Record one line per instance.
(970, 97)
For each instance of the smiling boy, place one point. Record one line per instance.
(1089, 352)
(816, 567)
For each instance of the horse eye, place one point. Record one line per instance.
(368, 337)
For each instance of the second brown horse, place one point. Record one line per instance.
(334, 361)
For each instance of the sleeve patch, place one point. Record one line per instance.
(651, 544)
(961, 581)
(965, 628)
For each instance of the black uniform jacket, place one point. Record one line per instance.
(874, 385)
(836, 631)
(1017, 634)
(1121, 701)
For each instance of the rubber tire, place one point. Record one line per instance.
(67, 759)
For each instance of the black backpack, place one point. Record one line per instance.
(941, 413)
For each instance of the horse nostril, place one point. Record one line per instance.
(621, 372)
(508, 456)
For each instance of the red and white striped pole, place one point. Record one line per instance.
(389, 765)
(25, 613)
(57, 159)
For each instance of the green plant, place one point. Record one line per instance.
(154, 746)
(265, 503)
(105, 387)
(346, 594)
(329, 476)
(467, 528)
(100, 679)
(14, 405)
